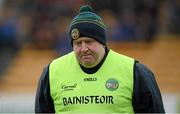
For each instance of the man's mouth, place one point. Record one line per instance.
(83, 57)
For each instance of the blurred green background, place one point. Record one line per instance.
(34, 32)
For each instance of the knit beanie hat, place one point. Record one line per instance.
(87, 24)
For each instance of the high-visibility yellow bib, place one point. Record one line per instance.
(109, 90)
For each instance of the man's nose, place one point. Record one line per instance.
(84, 47)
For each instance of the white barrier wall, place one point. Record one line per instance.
(17, 103)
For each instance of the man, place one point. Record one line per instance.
(95, 79)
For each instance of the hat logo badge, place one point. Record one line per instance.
(75, 34)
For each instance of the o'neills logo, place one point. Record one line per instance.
(75, 33)
(68, 87)
(112, 84)
(87, 100)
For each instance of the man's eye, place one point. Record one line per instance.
(89, 41)
(77, 43)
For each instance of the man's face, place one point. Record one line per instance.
(88, 51)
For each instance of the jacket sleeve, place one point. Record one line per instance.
(146, 96)
(43, 101)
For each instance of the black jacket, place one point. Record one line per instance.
(146, 94)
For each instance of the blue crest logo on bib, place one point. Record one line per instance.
(112, 84)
